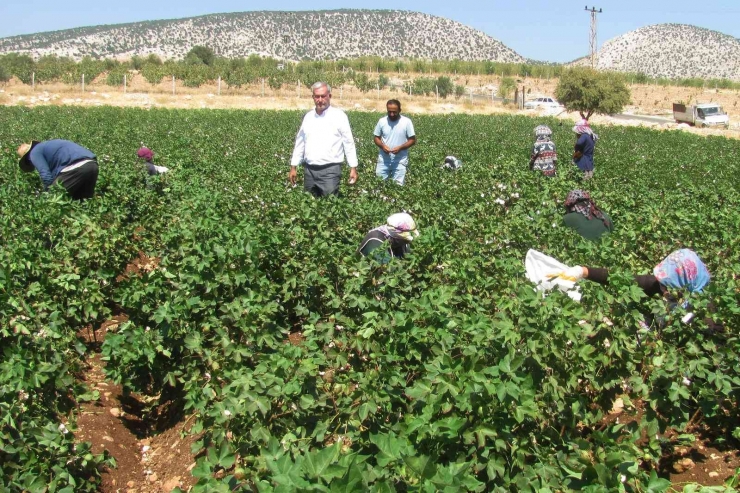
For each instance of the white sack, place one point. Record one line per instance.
(539, 269)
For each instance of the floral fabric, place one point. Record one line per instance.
(683, 269)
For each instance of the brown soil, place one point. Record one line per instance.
(296, 338)
(703, 462)
(147, 461)
(139, 266)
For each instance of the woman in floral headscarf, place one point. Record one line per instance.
(544, 157)
(682, 270)
(583, 216)
(583, 154)
(399, 231)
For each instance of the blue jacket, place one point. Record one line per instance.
(585, 144)
(52, 156)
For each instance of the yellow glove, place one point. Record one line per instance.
(573, 274)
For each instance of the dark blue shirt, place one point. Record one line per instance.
(585, 144)
(52, 156)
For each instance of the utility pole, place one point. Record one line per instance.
(592, 39)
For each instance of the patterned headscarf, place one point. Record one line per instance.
(580, 201)
(400, 226)
(542, 132)
(582, 127)
(683, 269)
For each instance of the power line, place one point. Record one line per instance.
(592, 39)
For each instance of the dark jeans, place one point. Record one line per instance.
(322, 180)
(80, 182)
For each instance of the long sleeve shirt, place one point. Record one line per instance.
(324, 139)
(648, 282)
(52, 156)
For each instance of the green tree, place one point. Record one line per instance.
(588, 91)
(136, 62)
(445, 86)
(506, 87)
(153, 59)
(4, 74)
(202, 53)
(22, 66)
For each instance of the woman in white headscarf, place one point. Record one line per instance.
(543, 157)
(397, 233)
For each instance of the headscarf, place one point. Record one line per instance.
(581, 202)
(400, 226)
(582, 127)
(542, 132)
(145, 153)
(682, 269)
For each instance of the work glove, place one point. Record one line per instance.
(574, 274)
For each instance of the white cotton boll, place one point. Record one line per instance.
(500, 201)
(63, 428)
(514, 195)
(686, 381)
(607, 344)
(227, 413)
(622, 478)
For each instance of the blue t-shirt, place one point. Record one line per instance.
(394, 134)
(585, 144)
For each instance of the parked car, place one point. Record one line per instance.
(542, 103)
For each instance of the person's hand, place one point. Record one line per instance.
(574, 274)
(292, 175)
(352, 176)
(386, 149)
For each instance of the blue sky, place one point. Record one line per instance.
(554, 30)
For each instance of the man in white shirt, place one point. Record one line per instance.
(322, 143)
(394, 134)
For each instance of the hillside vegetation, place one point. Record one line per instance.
(285, 35)
(673, 51)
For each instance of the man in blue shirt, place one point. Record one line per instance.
(62, 161)
(394, 134)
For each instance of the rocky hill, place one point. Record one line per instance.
(673, 51)
(284, 35)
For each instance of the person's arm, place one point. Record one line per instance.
(348, 141)
(648, 283)
(299, 149)
(410, 142)
(379, 142)
(42, 166)
(578, 149)
(533, 156)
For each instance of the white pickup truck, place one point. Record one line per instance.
(701, 115)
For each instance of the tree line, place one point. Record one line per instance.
(201, 66)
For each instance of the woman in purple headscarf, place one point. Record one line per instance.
(148, 156)
(583, 154)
